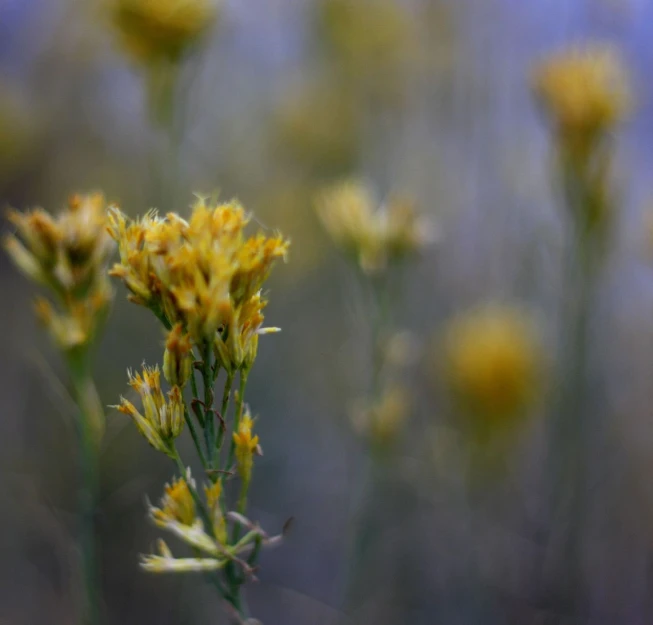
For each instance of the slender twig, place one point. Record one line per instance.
(195, 437)
(226, 396)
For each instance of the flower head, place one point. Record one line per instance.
(494, 363)
(177, 503)
(160, 30)
(383, 419)
(67, 253)
(584, 91)
(164, 417)
(177, 515)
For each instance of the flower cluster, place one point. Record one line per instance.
(160, 30)
(203, 274)
(178, 514)
(375, 237)
(68, 254)
(202, 279)
(164, 418)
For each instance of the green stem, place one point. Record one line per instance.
(209, 417)
(226, 395)
(195, 437)
(233, 600)
(235, 580)
(570, 434)
(240, 402)
(89, 424)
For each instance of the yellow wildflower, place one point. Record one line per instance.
(375, 237)
(494, 363)
(164, 419)
(161, 30)
(584, 91)
(246, 445)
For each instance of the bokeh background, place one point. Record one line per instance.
(430, 97)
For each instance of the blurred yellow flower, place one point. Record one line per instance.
(585, 92)
(374, 237)
(383, 419)
(160, 30)
(319, 126)
(494, 363)
(67, 253)
(374, 43)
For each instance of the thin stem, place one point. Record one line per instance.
(195, 437)
(193, 384)
(226, 396)
(209, 418)
(240, 402)
(235, 580)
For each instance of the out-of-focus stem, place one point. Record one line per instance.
(570, 434)
(90, 424)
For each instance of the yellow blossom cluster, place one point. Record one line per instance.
(67, 253)
(178, 514)
(585, 92)
(164, 418)
(375, 237)
(160, 30)
(204, 274)
(494, 363)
